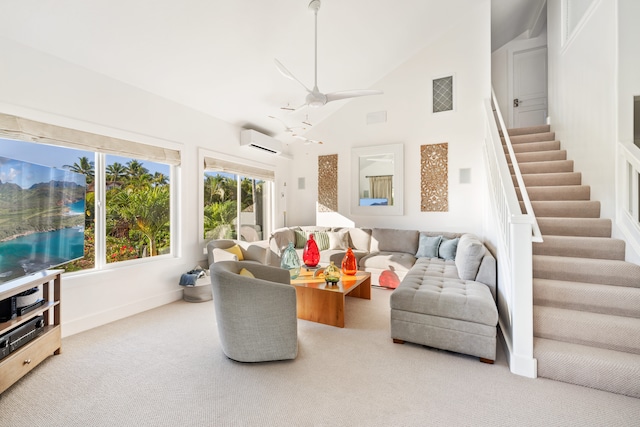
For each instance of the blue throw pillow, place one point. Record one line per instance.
(448, 248)
(428, 246)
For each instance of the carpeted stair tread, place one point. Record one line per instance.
(557, 192)
(527, 147)
(586, 313)
(613, 371)
(527, 130)
(554, 166)
(541, 156)
(592, 297)
(550, 179)
(573, 269)
(588, 227)
(581, 247)
(591, 329)
(531, 137)
(566, 208)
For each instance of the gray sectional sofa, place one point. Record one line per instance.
(445, 283)
(381, 250)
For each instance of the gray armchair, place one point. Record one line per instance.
(257, 318)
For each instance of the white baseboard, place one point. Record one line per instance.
(519, 365)
(98, 319)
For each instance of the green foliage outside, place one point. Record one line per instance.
(137, 213)
(221, 201)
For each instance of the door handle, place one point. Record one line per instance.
(516, 102)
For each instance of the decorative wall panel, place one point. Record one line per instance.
(434, 182)
(328, 183)
(443, 94)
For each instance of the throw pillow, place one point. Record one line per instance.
(236, 251)
(360, 238)
(392, 240)
(338, 239)
(246, 273)
(448, 247)
(428, 246)
(469, 256)
(321, 238)
(301, 238)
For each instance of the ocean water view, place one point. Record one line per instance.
(39, 251)
(76, 208)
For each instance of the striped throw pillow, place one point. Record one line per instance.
(301, 238)
(321, 238)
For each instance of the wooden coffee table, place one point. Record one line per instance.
(322, 303)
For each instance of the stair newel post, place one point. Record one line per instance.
(522, 360)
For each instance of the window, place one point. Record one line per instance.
(574, 13)
(137, 209)
(237, 201)
(134, 189)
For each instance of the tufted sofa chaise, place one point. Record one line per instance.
(449, 304)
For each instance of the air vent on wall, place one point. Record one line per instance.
(260, 141)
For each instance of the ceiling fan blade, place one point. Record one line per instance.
(286, 127)
(335, 96)
(283, 70)
(307, 140)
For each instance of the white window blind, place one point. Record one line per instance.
(28, 130)
(218, 165)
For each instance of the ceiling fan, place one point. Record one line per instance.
(315, 98)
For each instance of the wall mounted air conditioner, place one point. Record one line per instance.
(260, 141)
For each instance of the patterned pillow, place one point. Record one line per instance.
(321, 238)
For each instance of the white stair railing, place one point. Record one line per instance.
(516, 232)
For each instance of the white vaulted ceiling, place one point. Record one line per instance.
(217, 56)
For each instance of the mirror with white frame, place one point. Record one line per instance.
(377, 180)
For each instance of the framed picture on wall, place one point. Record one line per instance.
(443, 94)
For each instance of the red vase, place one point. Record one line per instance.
(349, 263)
(310, 253)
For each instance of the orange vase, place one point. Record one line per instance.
(349, 263)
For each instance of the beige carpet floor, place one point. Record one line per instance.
(165, 367)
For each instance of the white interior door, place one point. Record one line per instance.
(529, 100)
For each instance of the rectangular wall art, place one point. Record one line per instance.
(443, 94)
(328, 183)
(434, 181)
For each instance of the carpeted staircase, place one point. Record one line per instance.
(586, 313)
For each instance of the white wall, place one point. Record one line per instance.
(583, 97)
(628, 67)
(464, 52)
(41, 87)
